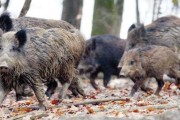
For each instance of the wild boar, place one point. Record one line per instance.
(164, 32)
(28, 22)
(150, 61)
(102, 54)
(35, 56)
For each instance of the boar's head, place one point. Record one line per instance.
(88, 61)
(11, 52)
(132, 65)
(136, 37)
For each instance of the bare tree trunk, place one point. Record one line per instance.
(107, 17)
(6, 4)
(72, 12)
(154, 10)
(159, 8)
(137, 13)
(25, 8)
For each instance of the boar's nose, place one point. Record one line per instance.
(3, 67)
(122, 74)
(3, 64)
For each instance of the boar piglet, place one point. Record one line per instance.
(102, 54)
(150, 61)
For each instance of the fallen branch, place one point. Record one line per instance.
(97, 101)
(163, 106)
(35, 117)
(32, 113)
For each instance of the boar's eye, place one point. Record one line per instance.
(131, 62)
(1, 48)
(14, 49)
(132, 45)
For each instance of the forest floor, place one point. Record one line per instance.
(141, 107)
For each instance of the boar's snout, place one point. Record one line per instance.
(124, 72)
(3, 67)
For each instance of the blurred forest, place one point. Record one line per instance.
(107, 14)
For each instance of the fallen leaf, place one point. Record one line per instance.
(167, 86)
(150, 109)
(136, 110)
(55, 101)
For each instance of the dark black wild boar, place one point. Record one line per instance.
(35, 56)
(150, 61)
(28, 22)
(102, 54)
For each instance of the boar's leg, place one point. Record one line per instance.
(3, 94)
(107, 77)
(175, 74)
(22, 90)
(160, 83)
(63, 90)
(76, 87)
(144, 86)
(37, 86)
(137, 85)
(93, 76)
(51, 87)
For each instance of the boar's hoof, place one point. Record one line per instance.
(49, 94)
(76, 90)
(19, 97)
(42, 107)
(146, 89)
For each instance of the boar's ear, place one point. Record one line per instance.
(142, 30)
(93, 44)
(21, 37)
(131, 27)
(5, 22)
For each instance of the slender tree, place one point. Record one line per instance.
(137, 13)
(6, 4)
(72, 12)
(107, 17)
(25, 8)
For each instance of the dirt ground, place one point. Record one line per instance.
(141, 107)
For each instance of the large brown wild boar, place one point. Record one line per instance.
(164, 31)
(28, 22)
(38, 55)
(150, 61)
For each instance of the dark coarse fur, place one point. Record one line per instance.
(52, 53)
(150, 61)
(28, 22)
(102, 54)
